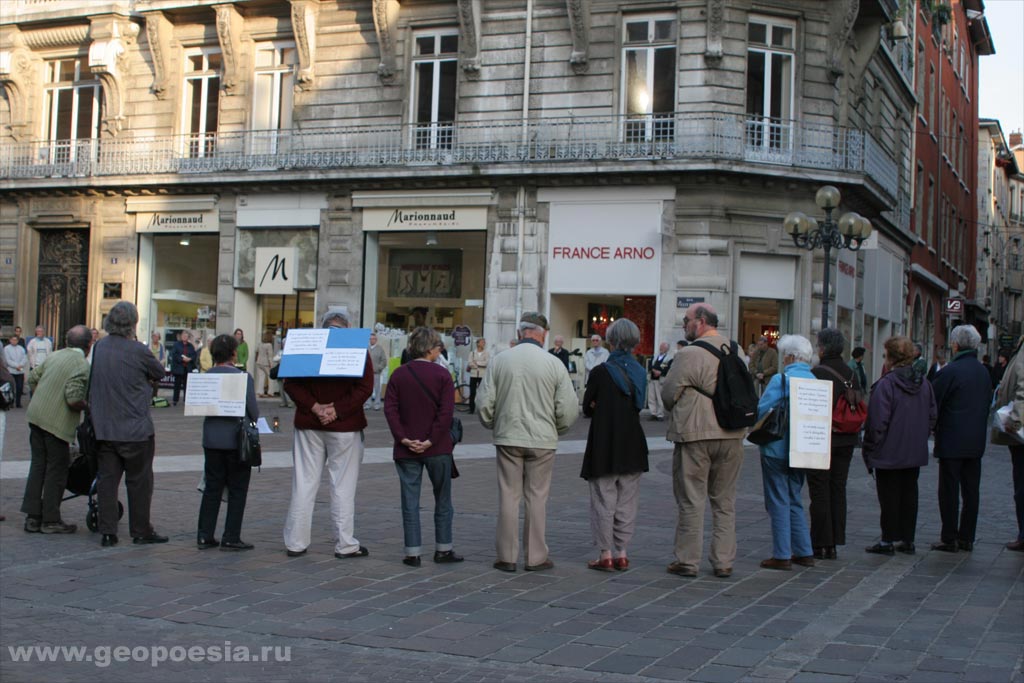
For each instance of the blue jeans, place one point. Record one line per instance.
(410, 473)
(790, 534)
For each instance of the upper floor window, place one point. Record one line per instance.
(72, 106)
(434, 78)
(932, 96)
(649, 77)
(273, 85)
(200, 109)
(770, 55)
(919, 76)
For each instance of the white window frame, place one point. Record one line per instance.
(432, 134)
(206, 139)
(281, 76)
(779, 138)
(67, 150)
(648, 125)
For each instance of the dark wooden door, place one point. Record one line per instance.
(63, 281)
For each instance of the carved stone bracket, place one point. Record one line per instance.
(579, 25)
(385, 20)
(715, 27)
(158, 35)
(17, 77)
(469, 30)
(304, 13)
(229, 34)
(844, 15)
(111, 35)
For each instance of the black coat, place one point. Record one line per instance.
(839, 365)
(616, 443)
(180, 348)
(963, 394)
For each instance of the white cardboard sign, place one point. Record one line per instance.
(810, 423)
(216, 394)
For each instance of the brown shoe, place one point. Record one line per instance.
(772, 563)
(723, 572)
(803, 561)
(546, 564)
(505, 566)
(621, 563)
(1017, 546)
(680, 569)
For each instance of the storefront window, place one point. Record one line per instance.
(185, 284)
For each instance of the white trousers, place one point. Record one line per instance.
(343, 454)
(654, 402)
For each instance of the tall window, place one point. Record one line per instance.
(919, 76)
(434, 76)
(932, 95)
(649, 77)
(919, 200)
(273, 85)
(770, 53)
(202, 93)
(73, 102)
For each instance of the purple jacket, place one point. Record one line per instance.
(901, 414)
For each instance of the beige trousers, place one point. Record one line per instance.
(524, 474)
(613, 504)
(706, 471)
(654, 402)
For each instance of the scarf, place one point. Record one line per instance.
(628, 365)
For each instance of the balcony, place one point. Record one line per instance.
(675, 141)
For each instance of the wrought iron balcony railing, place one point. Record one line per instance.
(678, 137)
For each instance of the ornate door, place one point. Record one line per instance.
(63, 281)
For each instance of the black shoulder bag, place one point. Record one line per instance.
(85, 433)
(775, 425)
(456, 429)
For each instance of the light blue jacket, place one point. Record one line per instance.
(772, 397)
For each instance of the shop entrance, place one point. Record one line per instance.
(184, 284)
(286, 312)
(768, 317)
(63, 276)
(578, 316)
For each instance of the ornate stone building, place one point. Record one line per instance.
(451, 162)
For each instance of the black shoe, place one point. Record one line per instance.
(151, 537)
(881, 549)
(362, 552)
(295, 553)
(546, 564)
(505, 566)
(965, 546)
(207, 543)
(819, 553)
(236, 545)
(412, 560)
(945, 547)
(33, 525)
(830, 553)
(906, 548)
(58, 528)
(446, 556)
(108, 540)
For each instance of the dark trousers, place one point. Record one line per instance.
(47, 475)
(1017, 457)
(828, 500)
(19, 388)
(474, 382)
(134, 460)
(959, 477)
(410, 474)
(897, 498)
(180, 386)
(223, 469)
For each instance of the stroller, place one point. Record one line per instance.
(82, 482)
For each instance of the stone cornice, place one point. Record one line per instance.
(469, 29)
(18, 79)
(579, 25)
(229, 34)
(844, 15)
(385, 20)
(304, 14)
(58, 36)
(158, 37)
(715, 26)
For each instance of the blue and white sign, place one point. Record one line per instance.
(325, 352)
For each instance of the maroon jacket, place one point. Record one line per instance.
(348, 394)
(412, 414)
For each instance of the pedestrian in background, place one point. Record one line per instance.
(17, 362)
(120, 395)
(559, 351)
(221, 467)
(616, 453)
(5, 378)
(183, 359)
(156, 347)
(39, 347)
(764, 363)
(205, 357)
(241, 353)
(660, 366)
(419, 406)
(856, 363)
(827, 488)
(594, 356)
(379, 359)
(963, 393)
(791, 539)
(901, 415)
(1011, 391)
(264, 361)
(478, 360)
(527, 398)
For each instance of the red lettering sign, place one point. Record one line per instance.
(594, 253)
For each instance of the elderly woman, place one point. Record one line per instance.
(828, 487)
(791, 540)
(418, 406)
(1011, 390)
(616, 453)
(478, 360)
(901, 414)
(264, 358)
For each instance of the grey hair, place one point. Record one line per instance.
(523, 326)
(122, 319)
(831, 341)
(79, 337)
(795, 345)
(422, 340)
(623, 335)
(331, 316)
(965, 337)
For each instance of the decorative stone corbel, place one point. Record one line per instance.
(111, 35)
(17, 77)
(844, 15)
(385, 20)
(579, 25)
(715, 27)
(229, 34)
(304, 13)
(158, 35)
(469, 30)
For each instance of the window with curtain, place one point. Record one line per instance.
(649, 77)
(435, 63)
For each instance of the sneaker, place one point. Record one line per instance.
(32, 525)
(58, 528)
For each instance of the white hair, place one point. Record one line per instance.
(965, 337)
(524, 326)
(795, 345)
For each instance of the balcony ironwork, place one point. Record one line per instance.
(677, 137)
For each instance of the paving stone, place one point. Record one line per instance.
(621, 663)
(716, 673)
(834, 666)
(740, 657)
(850, 652)
(574, 655)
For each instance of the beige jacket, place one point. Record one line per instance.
(527, 398)
(692, 416)
(478, 361)
(1011, 389)
(379, 358)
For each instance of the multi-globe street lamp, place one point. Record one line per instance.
(849, 232)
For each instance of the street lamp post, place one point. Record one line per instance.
(849, 232)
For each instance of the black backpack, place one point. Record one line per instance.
(735, 400)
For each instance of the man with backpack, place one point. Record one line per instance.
(710, 395)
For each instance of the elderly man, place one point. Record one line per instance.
(707, 458)
(527, 398)
(963, 392)
(120, 393)
(920, 364)
(329, 424)
(559, 351)
(379, 360)
(660, 365)
(594, 356)
(39, 347)
(764, 364)
(60, 386)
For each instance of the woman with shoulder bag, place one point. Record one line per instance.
(419, 405)
(791, 539)
(222, 467)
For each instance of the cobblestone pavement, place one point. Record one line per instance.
(930, 617)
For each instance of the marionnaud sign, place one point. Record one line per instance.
(177, 221)
(275, 270)
(426, 218)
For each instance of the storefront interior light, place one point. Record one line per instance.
(185, 239)
(431, 239)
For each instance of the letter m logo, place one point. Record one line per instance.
(274, 270)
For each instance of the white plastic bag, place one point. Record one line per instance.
(1001, 419)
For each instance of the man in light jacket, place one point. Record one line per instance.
(527, 398)
(707, 458)
(379, 359)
